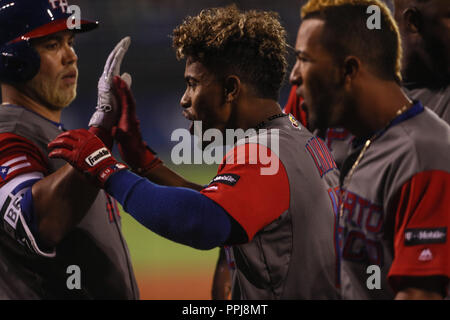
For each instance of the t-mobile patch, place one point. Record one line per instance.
(228, 178)
(425, 236)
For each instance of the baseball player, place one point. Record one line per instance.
(426, 52)
(425, 71)
(278, 225)
(338, 140)
(53, 223)
(395, 185)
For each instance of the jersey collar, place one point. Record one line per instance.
(416, 109)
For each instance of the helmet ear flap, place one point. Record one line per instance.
(19, 62)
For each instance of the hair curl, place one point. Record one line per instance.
(251, 45)
(346, 33)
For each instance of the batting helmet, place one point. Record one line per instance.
(22, 20)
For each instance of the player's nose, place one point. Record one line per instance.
(295, 78)
(69, 55)
(185, 101)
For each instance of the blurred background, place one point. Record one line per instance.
(164, 269)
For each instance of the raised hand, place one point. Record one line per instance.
(133, 149)
(86, 153)
(108, 110)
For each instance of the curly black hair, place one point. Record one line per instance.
(251, 45)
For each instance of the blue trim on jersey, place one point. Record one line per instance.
(23, 185)
(179, 214)
(416, 109)
(57, 124)
(408, 114)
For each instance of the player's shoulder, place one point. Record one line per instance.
(282, 135)
(9, 140)
(10, 117)
(427, 139)
(17, 119)
(28, 124)
(12, 137)
(416, 145)
(14, 146)
(14, 116)
(289, 130)
(304, 155)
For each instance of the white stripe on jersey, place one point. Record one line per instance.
(6, 190)
(20, 166)
(34, 244)
(10, 162)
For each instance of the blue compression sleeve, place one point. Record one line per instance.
(179, 214)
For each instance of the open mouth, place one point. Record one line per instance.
(189, 117)
(304, 106)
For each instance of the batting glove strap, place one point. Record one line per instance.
(106, 173)
(148, 161)
(86, 153)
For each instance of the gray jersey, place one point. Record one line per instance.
(288, 215)
(396, 212)
(339, 140)
(437, 99)
(95, 245)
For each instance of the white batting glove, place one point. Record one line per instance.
(107, 111)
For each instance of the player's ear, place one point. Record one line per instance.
(412, 20)
(232, 88)
(350, 68)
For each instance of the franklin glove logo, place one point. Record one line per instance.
(97, 156)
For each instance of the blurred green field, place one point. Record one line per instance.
(165, 269)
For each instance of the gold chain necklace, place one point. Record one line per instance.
(348, 176)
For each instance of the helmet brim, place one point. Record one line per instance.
(57, 26)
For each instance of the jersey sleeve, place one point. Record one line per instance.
(19, 156)
(422, 220)
(248, 190)
(21, 165)
(294, 107)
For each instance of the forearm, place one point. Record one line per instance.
(179, 214)
(60, 201)
(164, 176)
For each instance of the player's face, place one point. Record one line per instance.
(425, 30)
(436, 34)
(317, 77)
(55, 85)
(204, 98)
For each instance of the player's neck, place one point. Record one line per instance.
(256, 111)
(11, 95)
(377, 109)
